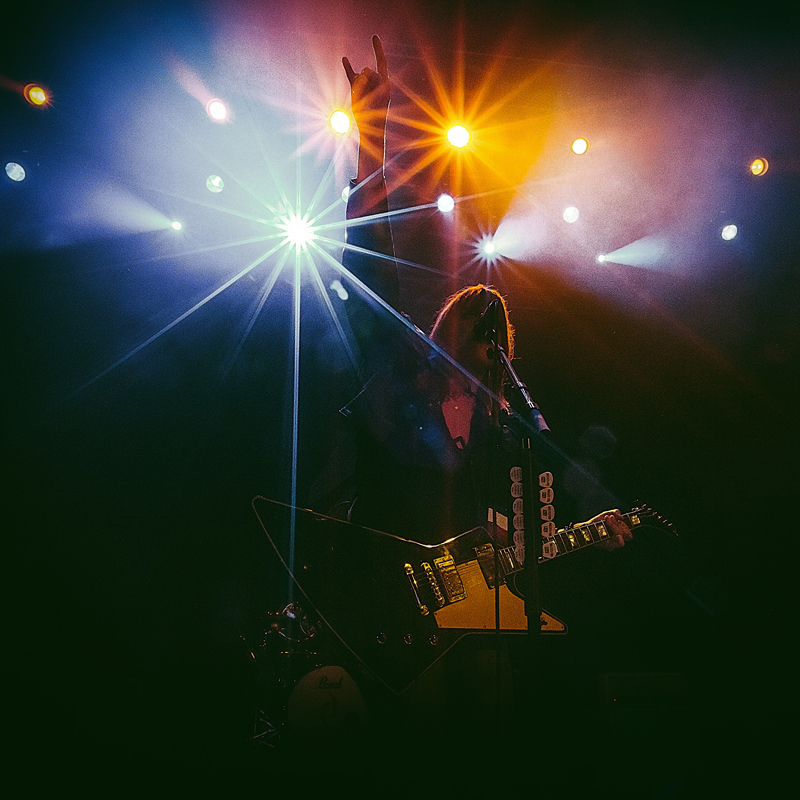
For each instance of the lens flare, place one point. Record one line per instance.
(215, 184)
(15, 171)
(336, 286)
(458, 136)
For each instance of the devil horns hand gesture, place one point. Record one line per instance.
(369, 93)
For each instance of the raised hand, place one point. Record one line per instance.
(369, 92)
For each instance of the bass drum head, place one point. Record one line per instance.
(326, 704)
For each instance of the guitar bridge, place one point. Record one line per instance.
(437, 592)
(409, 570)
(451, 580)
(486, 561)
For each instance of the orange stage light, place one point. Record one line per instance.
(339, 121)
(580, 146)
(35, 95)
(458, 136)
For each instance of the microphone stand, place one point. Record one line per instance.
(533, 541)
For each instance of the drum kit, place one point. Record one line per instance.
(305, 693)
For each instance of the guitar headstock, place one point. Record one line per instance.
(644, 512)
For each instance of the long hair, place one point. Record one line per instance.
(464, 307)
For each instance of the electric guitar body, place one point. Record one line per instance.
(399, 605)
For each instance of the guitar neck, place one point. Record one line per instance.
(569, 539)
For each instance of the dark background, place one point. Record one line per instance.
(136, 574)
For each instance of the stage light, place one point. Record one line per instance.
(35, 95)
(15, 171)
(759, 166)
(601, 258)
(571, 214)
(445, 203)
(580, 146)
(346, 193)
(176, 226)
(487, 248)
(298, 230)
(215, 184)
(729, 232)
(217, 110)
(340, 121)
(458, 136)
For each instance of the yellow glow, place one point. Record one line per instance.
(35, 95)
(458, 136)
(759, 166)
(340, 121)
(580, 146)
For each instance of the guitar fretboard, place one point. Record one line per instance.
(567, 540)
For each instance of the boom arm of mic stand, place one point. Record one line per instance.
(536, 417)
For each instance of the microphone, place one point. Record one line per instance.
(485, 329)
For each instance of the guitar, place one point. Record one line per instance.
(399, 605)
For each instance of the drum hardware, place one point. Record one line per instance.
(305, 694)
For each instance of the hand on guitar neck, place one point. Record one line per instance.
(615, 522)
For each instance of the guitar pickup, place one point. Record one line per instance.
(451, 580)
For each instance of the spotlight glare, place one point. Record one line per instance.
(35, 95)
(580, 146)
(298, 230)
(601, 258)
(445, 203)
(759, 166)
(729, 232)
(217, 110)
(15, 171)
(339, 121)
(215, 184)
(176, 226)
(346, 193)
(458, 136)
(571, 214)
